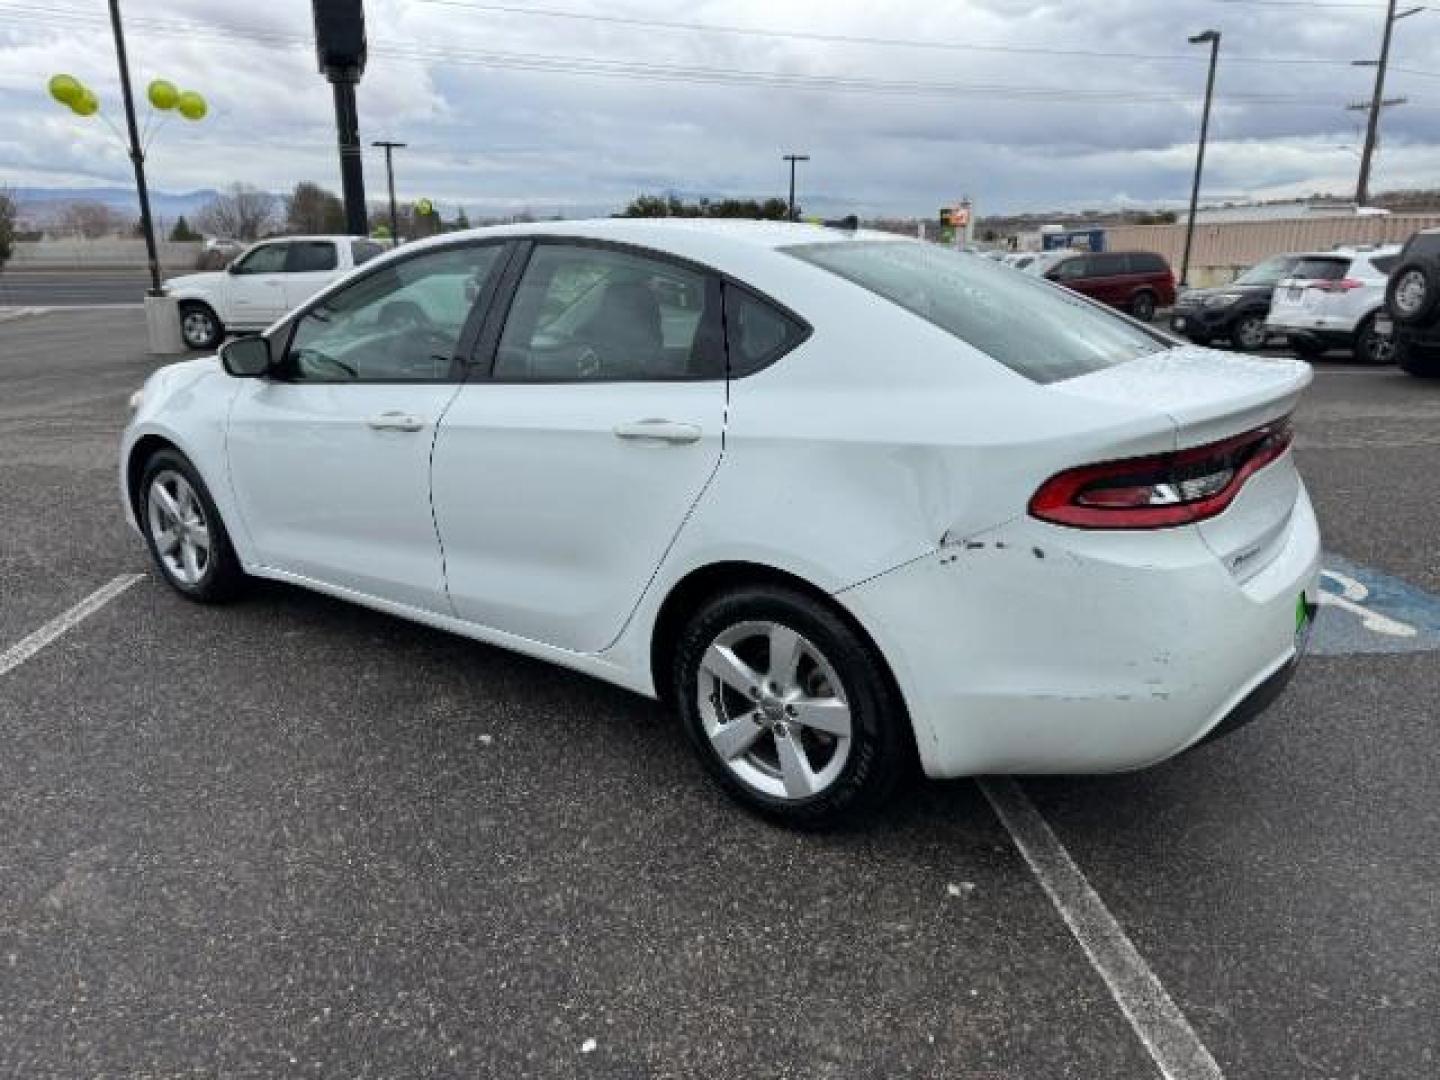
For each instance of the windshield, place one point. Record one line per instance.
(1268, 272)
(1034, 328)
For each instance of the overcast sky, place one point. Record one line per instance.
(890, 128)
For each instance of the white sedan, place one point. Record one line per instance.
(841, 500)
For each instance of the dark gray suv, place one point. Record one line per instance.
(1412, 302)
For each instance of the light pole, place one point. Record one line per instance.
(792, 159)
(137, 153)
(1212, 38)
(1378, 101)
(390, 178)
(341, 50)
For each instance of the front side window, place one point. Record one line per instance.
(401, 323)
(265, 259)
(310, 256)
(586, 313)
(1041, 332)
(1069, 269)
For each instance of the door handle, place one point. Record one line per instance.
(396, 421)
(658, 431)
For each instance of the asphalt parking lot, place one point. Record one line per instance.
(294, 837)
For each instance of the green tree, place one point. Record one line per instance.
(312, 209)
(8, 213)
(773, 209)
(182, 232)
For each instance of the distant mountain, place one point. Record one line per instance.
(41, 206)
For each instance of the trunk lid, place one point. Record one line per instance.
(1209, 396)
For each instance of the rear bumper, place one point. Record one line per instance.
(1320, 327)
(1035, 649)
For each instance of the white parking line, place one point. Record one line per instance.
(1159, 1023)
(31, 644)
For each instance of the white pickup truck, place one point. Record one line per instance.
(262, 284)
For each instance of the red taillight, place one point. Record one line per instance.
(1160, 491)
(1341, 286)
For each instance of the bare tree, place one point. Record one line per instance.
(312, 209)
(241, 213)
(8, 213)
(91, 220)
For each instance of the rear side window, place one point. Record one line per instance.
(310, 256)
(757, 333)
(1146, 262)
(1031, 327)
(1426, 243)
(1321, 269)
(1385, 263)
(362, 251)
(1107, 265)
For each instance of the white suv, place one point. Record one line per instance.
(1331, 299)
(266, 282)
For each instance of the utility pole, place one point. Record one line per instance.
(1212, 38)
(792, 159)
(340, 48)
(137, 154)
(390, 178)
(1378, 101)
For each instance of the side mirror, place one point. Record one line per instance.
(246, 357)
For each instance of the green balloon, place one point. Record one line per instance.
(162, 94)
(65, 89)
(191, 105)
(424, 207)
(87, 104)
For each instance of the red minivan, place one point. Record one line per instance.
(1135, 281)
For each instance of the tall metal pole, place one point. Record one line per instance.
(792, 159)
(390, 178)
(1213, 37)
(352, 179)
(1377, 102)
(137, 154)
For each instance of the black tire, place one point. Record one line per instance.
(1308, 348)
(1419, 362)
(1142, 306)
(1371, 348)
(1413, 291)
(200, 327)
(1244, 334)
(220, 578)
(879, 750)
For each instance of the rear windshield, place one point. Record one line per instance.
(1034, 328)
(1321, 269)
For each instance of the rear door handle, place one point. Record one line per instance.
(658, 431)
(396, 421)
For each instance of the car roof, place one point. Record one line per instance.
(1350, 252)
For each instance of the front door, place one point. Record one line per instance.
(257, 286)
(561, 480)
(330, 459)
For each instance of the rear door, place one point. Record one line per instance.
(567, 465)
(309, 266)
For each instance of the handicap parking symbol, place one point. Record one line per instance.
(1365, 611)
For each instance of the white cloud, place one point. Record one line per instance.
(483, 135)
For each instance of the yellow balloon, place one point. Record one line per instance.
(65, 89)
(191, 105)
(162, 94)
(87, 104)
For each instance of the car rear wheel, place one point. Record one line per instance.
(1248, 333)
(1372, 347)
(184, 532)
(1142, 306)
(788, 708)
(199, 326)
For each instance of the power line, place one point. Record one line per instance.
(882, 42)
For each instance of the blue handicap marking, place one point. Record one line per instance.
(1365, 611)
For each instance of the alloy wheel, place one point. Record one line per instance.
(774, 710)
(178, 527)
(1250, 332)
(197, 328)
(1376, 349)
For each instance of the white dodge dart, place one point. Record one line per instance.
(843, 501)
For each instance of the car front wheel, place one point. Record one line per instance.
(1372, 347)
(1248, 332)
(199, 326)
(1143, 306)
(184, 532)
(788, 708)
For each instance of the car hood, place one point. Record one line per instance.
(195, 281)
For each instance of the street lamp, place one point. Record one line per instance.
(792, 159)
(390, 177)
(1211, 38)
